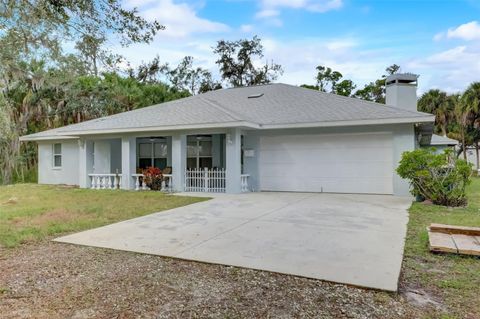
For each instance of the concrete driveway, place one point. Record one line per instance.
(351, 239)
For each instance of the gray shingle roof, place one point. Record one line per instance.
(261, 106)
(442, 140)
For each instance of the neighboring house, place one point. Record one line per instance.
(274, 137)
(472, 157)
(440, 143)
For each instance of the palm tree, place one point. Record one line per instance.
(472, 97)
(437, 102)
(465, 111)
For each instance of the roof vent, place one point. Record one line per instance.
(255, 96)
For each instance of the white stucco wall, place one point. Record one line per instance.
(68, 173)
(471, 157)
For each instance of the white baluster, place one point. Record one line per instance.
(137, 182)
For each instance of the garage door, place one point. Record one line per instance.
(340, 163)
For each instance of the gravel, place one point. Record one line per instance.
(54, 280)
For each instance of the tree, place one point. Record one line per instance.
(328, 80)
(149, 72)
(345, 88)
(186, 77)
(237, 60)
(472, 98)
(465, 113)
(392, 69)
(38, 81)
(437, 102)
(375, 91)
(71, 19)
(94, 55)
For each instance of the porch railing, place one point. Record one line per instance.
(105, 181)
(205, 180)
(140, 184)
(244, 183)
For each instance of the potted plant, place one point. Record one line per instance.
(153, 177)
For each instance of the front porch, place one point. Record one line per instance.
(189, 162)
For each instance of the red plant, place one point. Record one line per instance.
(152, 177)
(152, 171)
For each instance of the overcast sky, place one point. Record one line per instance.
(440, 40)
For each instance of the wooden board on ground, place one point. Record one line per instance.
(450, 229)
(450, 239)
(466, 244)
(440, 242)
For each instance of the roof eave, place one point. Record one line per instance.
(161, 128)
(28, 138)
(413, 120)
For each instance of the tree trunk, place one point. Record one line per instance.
(476, 151)
(463, 141)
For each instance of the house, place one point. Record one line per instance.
(472, 158)
(273, 137)
(440, 143)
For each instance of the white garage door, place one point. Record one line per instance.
(340, 163)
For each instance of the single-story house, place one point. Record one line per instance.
(273, 137)
(440, 143)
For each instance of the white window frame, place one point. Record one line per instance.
(54, 155)
(152, 152)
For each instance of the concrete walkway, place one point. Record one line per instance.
(352, 239)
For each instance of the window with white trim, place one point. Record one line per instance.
(57, 155)
(199, 151)
(152, 154)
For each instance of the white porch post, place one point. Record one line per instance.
(129, 162)
(179, 161)
(85, 162)
(233, 161)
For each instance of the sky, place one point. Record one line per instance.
(439, 40)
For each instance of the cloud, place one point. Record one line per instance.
(451, 70)
(267, 13)
(310, 5)
(341, 54)
(467, 31)
(341, 45)
(270, 9)
(180, 19)
(246, 28)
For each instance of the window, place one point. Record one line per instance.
(152, 154)
(57, 155)
(199, 152)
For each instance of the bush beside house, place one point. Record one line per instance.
(441, 178)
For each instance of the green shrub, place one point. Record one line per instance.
(441, 178)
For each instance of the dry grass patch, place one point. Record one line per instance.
(30, 212)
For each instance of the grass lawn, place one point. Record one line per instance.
(454, 279)
(31, 212)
